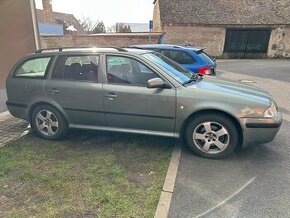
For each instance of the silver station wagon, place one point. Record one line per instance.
(138, 91)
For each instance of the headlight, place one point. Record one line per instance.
(271, 111)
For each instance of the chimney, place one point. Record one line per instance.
(47, 11)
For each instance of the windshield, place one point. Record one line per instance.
(180, 74)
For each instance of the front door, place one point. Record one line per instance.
(75, 85)
(130, 104)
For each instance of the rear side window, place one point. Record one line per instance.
(33, 68)
(180, 57)
(77, 68)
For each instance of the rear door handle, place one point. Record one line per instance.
(111, 96)
(53, 91)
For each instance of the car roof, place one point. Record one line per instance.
(167, 46)
(138, 51)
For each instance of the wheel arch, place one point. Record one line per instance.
(52, 104)
(216, 111)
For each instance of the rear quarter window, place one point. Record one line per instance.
(33, 68)
(205, 57)
(180, 57)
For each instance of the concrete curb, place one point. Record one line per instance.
(168, 186)
(5, 116)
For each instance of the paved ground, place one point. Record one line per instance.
(3, 99)
(252, 183)
(11, 128)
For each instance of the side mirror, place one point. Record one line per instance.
(157, 83)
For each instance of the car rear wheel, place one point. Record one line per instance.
(212, 136)
(48, 122)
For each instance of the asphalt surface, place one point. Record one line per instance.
(3, 99)
(254, 182)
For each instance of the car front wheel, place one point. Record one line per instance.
(48, 122)
(212, 135)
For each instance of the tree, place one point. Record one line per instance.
(92, 27)
(121, 28)
(100, 27)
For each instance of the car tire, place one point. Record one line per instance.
(212, 135)
(48, 122)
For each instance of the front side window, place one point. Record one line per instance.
(123, 70)
(178, 56)
(77, 68)
(33, 68)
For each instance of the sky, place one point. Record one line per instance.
(109, 11)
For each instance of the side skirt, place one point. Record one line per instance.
(114, 129)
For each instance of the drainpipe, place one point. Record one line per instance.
(35, 25)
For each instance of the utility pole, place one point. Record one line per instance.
(151, 28)
(35, 25)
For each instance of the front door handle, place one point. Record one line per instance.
(111, 96)
(53, 91)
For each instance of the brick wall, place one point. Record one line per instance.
(279, 45)
(47, 11)
(208, 37)
(212, 37)
(99, 40)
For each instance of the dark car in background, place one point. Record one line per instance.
(192, 58)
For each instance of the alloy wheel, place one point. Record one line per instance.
(211, 137)
(47, 122)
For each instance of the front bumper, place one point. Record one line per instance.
(260, 130)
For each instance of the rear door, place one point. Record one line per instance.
(75, 85)
(130, 104)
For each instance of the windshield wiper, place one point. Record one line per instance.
(194, 78)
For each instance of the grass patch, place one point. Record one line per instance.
(88, 174)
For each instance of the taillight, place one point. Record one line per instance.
(204, 70)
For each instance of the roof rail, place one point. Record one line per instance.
(72, 48)
(58, 48)
(117, 48)
(135, 46)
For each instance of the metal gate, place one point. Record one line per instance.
(247, 43)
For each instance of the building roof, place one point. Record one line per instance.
(225, 11)
(62, 18)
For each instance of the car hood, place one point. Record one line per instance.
(233, 88)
